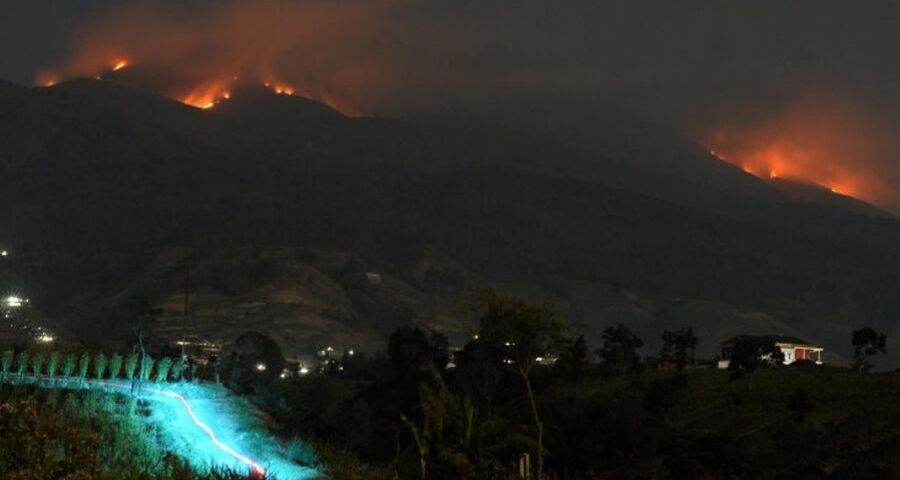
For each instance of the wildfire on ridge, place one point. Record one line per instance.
(121, 64)
(208, 95)
(784, 160)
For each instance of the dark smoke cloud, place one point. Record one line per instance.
(755, 70)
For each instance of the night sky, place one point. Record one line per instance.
(821, 79)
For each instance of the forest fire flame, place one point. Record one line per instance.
(833, 148)
(197, 61)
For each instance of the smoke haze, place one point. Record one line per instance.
(805, 89)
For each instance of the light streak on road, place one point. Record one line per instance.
(254, 467)
(212, 435)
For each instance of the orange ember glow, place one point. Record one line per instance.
(831, 147)
(208, 95)
(309, 49)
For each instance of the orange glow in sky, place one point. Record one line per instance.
(832, 147)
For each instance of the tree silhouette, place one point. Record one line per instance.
(115, 366)
(749, 354)
(53, 364)
(162, 369)
(84, 364)
(37, 364)
(866, 344)
(22, 363)
(526, 331)
(619, 352)
(6, 362)
(678, 348)
(142, 315)
(69, 365)
(572, 360)
(100, 365)
(131, 365)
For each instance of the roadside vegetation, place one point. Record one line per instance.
(526, 394)
(48, 434)
(494, 409)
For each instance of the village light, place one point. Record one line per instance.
(45, 338)
(304, 370)
(4, 253)
(351, 352)
(13, 301)
(261, 367)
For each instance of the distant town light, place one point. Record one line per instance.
(351, 352)
(283, 375)
(45, 338)
(13, 301)
(304, 370)
(4, 253)
(261, 367)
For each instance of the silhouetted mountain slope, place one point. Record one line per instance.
(99, 178)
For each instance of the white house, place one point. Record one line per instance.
(793, 348)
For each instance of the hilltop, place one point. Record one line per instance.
(280, 206)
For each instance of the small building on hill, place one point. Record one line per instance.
(793, 348)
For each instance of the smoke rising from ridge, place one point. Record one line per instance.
(810, 84)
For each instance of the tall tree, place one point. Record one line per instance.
(452, 438)
(866, 344)
(142, 315)
(619, 352)
(749, 354)
(678, 348)
(526, 331)
(572, 360)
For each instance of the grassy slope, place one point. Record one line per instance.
(851, 432)
(142, 433)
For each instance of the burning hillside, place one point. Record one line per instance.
(292, 50)
(832, 147)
